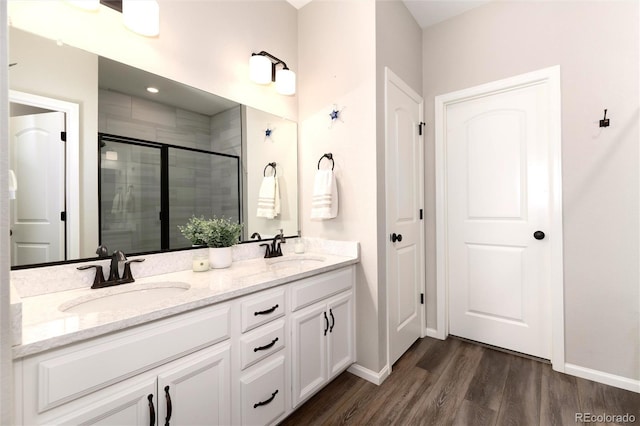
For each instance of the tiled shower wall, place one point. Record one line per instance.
(199, 185)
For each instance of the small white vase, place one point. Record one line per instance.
(220, 257)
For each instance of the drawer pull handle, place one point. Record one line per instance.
(326, 323)
(262, 348)
(169, 408)
(333, 321)
(268, 311)
(152, 410)
(265, 402)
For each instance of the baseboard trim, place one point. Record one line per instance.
(602, 377)
(369, 375)
(432, 332)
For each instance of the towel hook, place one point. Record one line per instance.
(272, 165)
(328, 156)
(605, 121)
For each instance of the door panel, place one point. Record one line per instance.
(309, 358)
(404, 199)
(209, 369)
(37, 158)
(341, 351)
(497, 185)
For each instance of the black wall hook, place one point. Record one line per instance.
(605, 121)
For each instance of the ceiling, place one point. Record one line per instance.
(426, 12)
(431, 12)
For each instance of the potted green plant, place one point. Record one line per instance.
(220, 235)
(194, 231)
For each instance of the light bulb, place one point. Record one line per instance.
(286, 82)
(260, 69)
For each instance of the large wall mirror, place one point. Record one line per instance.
(100, 159)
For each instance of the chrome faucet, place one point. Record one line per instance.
(114, 274)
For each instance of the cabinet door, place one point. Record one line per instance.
(309, 351)
(341, 333)
(195, 390)
(126, 404)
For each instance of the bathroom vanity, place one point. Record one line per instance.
(245, 345)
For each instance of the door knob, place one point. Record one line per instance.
(396, 237)
(538, 235)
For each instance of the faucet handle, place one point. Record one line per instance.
(98, 280)
(127, 276)
(267, 253)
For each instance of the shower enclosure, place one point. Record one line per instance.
(146, 189)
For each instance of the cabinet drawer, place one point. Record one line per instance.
(64, 374)
(261, 309)
(316, 288)
(263, 393)
(261, 343)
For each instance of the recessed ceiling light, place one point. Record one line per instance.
(152, 89)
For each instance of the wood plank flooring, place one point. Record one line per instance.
(453, 382)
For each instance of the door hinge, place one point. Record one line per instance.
(422, 298)
(420, 127)
(63, 216)
(63, 136)
(421, 214)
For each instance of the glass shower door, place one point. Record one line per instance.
(130, 196)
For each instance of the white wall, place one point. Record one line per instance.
(596, 45)
(337, 66)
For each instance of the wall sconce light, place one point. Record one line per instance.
(262, 70)
(140, 16)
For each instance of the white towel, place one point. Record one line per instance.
(269, 198)
(324, 203)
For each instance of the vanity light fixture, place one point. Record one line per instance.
(140, 16)
(262, 70)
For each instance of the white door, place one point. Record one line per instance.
(195, 391)
(37, 157)
(404, 195)
(498, 193)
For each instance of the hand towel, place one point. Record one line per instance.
(324, 203)
(269, 198)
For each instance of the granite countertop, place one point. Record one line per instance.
(45, 326)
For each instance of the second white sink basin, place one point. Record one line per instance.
(295, 261)
(124, 298)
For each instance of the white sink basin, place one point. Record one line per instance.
(299, 261)
(124, 297)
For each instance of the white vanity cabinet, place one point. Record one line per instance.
(248, 360)
(191, 391)
(108, 380)
(322, 331)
